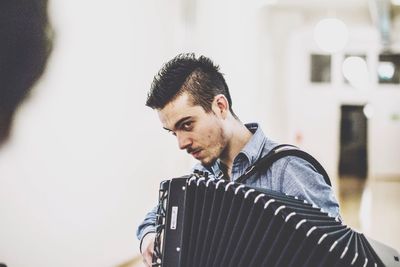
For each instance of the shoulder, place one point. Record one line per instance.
(295, 170)
(289, 162)
(299, 164)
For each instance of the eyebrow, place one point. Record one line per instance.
(178, 123)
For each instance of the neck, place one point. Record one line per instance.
(238, 136)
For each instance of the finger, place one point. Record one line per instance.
(148, 259)
(146, 264)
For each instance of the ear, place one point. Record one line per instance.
(220, 105)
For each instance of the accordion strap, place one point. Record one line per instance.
(278, 152)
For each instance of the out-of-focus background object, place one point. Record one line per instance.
(86, 156)
(26, 41)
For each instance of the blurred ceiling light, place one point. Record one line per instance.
(356, 72)
(396, 2)
(386, 70)
(368, 111)
(331, 35)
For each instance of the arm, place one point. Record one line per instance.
(146, 234)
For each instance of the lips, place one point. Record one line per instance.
(196, 153)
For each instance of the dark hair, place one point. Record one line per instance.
(25, 44)
(199, 77)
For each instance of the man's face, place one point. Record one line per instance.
(200, 133)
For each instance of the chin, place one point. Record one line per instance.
(207, 162)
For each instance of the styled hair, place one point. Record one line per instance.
(199, 77)
(25, 45)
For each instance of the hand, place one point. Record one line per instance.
(148, 248)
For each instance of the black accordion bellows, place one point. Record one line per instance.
(208, 222)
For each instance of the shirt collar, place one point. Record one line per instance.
(251, 151)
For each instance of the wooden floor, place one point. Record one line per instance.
(350, 194)
(135, 262)
(372, 207)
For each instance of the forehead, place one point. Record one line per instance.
(177, 109)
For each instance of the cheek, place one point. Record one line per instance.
(206, 138)
(215, 138)
(210, 134)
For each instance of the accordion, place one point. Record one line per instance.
(209, 222)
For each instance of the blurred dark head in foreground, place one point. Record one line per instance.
(25, 45)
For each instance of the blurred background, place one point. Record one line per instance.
(86, 156)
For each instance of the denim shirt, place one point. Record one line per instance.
(290, 175)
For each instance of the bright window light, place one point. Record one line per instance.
(356, 71)
(368, 111)
(331, 35)
(386, 70)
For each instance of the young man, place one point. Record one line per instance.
(193, 103)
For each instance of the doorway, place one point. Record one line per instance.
(353, 142)
(353, 162)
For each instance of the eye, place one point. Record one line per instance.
(187, 126)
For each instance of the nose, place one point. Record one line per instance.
(184, 140)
